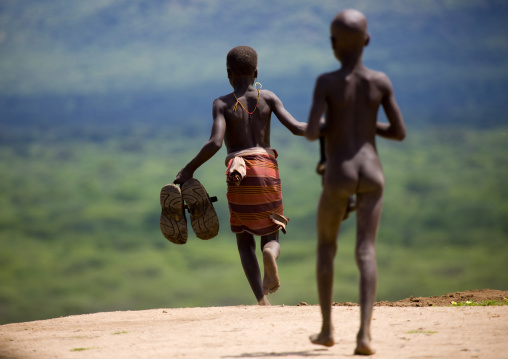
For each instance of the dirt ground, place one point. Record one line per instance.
(410, 328)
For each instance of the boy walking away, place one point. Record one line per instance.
(351, 98)
(242, 120)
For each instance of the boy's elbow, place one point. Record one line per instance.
(401, 135)
(215, 145)
(394, 133)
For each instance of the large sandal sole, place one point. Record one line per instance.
(204, 220)
(173, 222)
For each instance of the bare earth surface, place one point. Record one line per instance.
(411, 328)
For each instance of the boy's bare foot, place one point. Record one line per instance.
(320, 339)
(364, 349)
(363, 346)
(271, 278)
(264, 301)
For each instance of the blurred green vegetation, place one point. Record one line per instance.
(79, 217)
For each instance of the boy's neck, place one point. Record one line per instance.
(351, 60)
(352, 64)
(242, 84)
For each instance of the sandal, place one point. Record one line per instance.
(204, 220)
(173, 222)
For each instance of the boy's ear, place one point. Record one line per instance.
(367, 39)
(256, 73)
(229, 74)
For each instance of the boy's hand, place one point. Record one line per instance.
(183, 176)
(322, 125)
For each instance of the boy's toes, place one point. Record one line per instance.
(321, 339)
(273, 289)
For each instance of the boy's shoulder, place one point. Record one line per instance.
(268, 95)
(375, 74)
(230, 97)
(365, 72)
(224, 100)
(328, 75)
(229, 100)
(331, 81)
(378, 79)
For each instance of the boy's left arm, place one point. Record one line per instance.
(316, 120)
(296, 128)
(395, 129)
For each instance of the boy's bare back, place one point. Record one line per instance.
(353, 101)
(249, 129)
(350, 98)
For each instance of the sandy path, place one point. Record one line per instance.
(260, 332)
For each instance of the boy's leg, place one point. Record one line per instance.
(271, 251)
(368, 216)
(247, 250)
(330, 212)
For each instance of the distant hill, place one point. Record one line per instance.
(164, 61)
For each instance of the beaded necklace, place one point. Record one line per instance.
(251, 114)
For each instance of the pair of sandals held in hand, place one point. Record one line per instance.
(193, 197)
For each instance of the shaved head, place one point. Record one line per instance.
(352, 20)
(349, 29)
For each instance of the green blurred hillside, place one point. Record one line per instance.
(80, 209)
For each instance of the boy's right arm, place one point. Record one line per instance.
(316, 124)
(210, 148)
(395, 129)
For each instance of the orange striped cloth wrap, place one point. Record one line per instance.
(254, 192)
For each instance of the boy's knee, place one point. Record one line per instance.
(245, 242)
(366, 253)
(325, 248)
